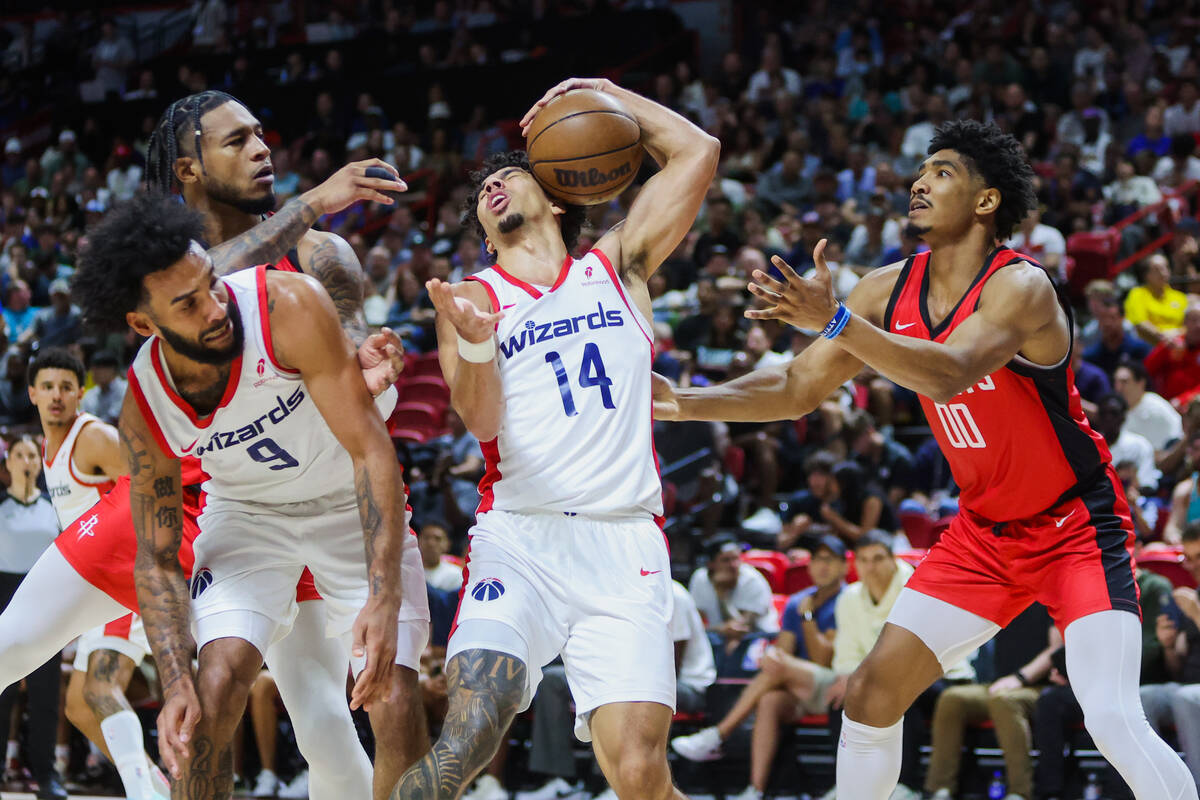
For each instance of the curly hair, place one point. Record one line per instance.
(55, 358)
(998, 158)
(178, 133)
(136, 238)
(571, 221)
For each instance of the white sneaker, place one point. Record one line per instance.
(765, 520)
(487, 788)
(902, 792)
(553, 789)
(297, 789)
(704, 745)
(749, 793)
(266, 785)
(942, 794)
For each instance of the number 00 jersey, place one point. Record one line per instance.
(1018, 440)
(266, 442)
(574, 362)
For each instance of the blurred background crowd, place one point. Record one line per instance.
(824, 110)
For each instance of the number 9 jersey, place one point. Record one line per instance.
(266, 442)
(574, 361)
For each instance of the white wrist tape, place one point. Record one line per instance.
(477, 352)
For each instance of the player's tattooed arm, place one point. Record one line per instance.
(334, 263)
(268, 241)
(485, 689)
(156, 504)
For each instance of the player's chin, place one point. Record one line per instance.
(917, 230)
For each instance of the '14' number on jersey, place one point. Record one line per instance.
(591, 373)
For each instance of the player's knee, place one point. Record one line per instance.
(78, 711)
(641, 774)
(774, 705)
(223, 692)
(1110, 728)
(868, 698)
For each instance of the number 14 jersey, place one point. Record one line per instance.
(1018, 442)
(266, 442)
(574, 359)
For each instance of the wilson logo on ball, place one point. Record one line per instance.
(590, 177)
(487, 589)
(201, 581)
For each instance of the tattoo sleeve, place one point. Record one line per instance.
(383, 551)
(486, 688)
(266, 242)
(334, 263)
(155, 501)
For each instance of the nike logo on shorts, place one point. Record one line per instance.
(1058, 523)
(646, 572)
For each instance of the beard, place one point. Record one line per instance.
(225, 193)
(915, 231)
(197, 351)
(511, 222)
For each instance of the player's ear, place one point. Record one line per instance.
(988, 201)
(140, 323)
(556, 209)
(487, 245)
(187, 169)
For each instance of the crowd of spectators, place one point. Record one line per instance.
(824, 115)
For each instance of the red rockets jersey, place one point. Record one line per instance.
(1018, 440)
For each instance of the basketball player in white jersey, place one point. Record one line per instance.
(548, 359)
(253, 375)
(81, 458)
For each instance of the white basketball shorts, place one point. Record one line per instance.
(595, 590)
(249, 557)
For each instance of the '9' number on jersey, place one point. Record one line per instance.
(266, 451)
(959, 425)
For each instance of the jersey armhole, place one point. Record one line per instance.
(148, 415)
(491, 293)
(897, 290)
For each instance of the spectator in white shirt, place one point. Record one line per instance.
(733, 597)
(772, 77)
(105, 398)
(1183, 117)
(915, 145)
(695, 669)
(1042, 242)
(1125, 445)
(1131, 191)
(434, 543)
(1149, 414)
(1180, 166)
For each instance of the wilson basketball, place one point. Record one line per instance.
(584, 147)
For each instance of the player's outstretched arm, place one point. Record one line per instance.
(1017, 305)
(156, 504)
(307, 337)
(466, 331)
(787, 391)
(666, 207)
(271, 239)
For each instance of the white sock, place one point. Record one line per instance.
(62, 752)
(868, 760)
(12, 751)
(123, 735)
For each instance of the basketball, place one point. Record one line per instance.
(584, 147)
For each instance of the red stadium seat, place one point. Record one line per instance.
(425, 389)
(771, 564)
(1094, 255)
(918, 527)
(427, 364)
(415, 421)
(796, 576)
(1169, 564)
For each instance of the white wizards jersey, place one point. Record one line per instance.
(72, 492)
(574, 364)
(266, 442)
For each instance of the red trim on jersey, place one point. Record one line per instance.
(462, 590)
(148, 414)
(491, 457)
(235, 373)
(533, 291)
(103, 487)
(260, 280)
(119, 628)
(612, 273)
(490, 291)
(49, 462)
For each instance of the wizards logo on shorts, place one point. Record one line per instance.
(201, 581)
(487, 589)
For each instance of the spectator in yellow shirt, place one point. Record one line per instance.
(1154, 308)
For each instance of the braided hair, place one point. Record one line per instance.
(180, 123)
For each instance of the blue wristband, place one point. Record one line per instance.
(838, 323)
